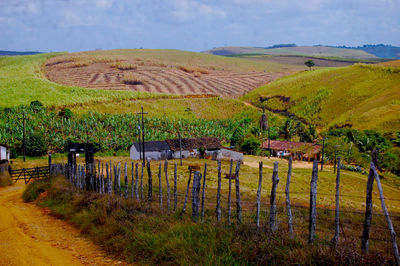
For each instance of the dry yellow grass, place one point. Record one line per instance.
(123, 65)
(131, 78)
(193, 69)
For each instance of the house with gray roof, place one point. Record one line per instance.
(205, 147)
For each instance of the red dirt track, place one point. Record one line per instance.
(161, 79)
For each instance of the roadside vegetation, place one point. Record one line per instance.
(5, 179)
(145, 235)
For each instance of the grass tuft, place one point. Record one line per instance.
(132, 79)
(5, 179)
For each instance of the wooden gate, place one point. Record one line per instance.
(29, 173)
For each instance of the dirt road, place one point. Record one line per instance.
(29, 236)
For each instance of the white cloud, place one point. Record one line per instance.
(186, 10)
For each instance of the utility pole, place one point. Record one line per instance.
(142, 114)
(334, 165)
(323, 149)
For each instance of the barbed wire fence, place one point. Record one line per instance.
(227, 206)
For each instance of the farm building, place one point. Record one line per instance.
(4, 152)
(154, 150)
(298, 150)
(206, 147)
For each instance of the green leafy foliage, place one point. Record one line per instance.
(250, 145)
(36, 145)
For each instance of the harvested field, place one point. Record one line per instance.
(299, 60)
(159, 78)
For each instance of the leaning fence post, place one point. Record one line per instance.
(160, 187)
(368, 208)
(385, 211)
(126, 180)
(335, 238)
(196, 195)
(218, 208)
(175, 187)
(167, 183)
(237, 186)
(119, 180)
(287, 192)
(150, 183)
(230, 192)
(203, 193)
(313, 202)
(259, 194)
(272, 214)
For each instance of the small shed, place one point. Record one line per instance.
(154, 150)
(298, 150)
(4, 152)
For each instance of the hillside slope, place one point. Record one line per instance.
(323, 51)
(362, 96)
(163, 71)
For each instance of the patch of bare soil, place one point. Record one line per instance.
(29, 236)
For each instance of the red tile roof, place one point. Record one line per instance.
(293, 146)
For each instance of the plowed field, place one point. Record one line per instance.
(158, 78)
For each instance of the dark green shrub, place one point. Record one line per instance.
(36, 145)
(66, 113)
(250, 145)
(36, 106)
(237, 136)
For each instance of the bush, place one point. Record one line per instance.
(36, 106)
(250, 145)
(33, 190)
(66, 113)
(5, 179)
(36, 145)
(237, 136)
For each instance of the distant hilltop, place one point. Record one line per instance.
(13, 53)
(367, 51)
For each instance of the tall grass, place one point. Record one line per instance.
(131, 231)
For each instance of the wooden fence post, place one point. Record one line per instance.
(313, 202)
(218, 208)
(203, 193)
(137, 181)
(126, 181)
(368, 208)
(238, 203)
(196, 195)
(287, 192)
(133, 181)
(230, 192)
(260, 166)
(102, 178)
(167, 183)
(150, 182)
(175, 187)
(187, 192)
(272, 214)
(141, 182)
(385, 211)
(119, 180)
(160, 188)
(335, 238)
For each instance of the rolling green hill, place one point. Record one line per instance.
(364, 96)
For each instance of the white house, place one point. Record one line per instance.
(206, 147)
(154, 150)
(4, 152)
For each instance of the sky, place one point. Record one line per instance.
(194, 25)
